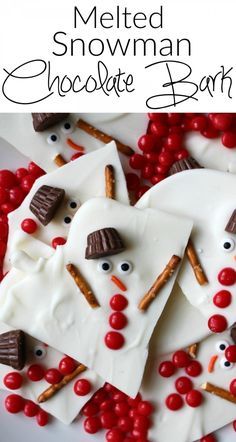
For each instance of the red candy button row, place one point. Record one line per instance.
(117, 320)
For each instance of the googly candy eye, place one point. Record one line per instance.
(104, 266)
(67, 127)
(67, 220)
(226, 365)
(228, 244)
(125, 267)
(40, 351)
(74, 205)
(221, 346)
(53, 138)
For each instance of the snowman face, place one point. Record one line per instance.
(81, 180)
(205, 417)
(65, 405)
(208, 198)
(64, 318)
(65, 138)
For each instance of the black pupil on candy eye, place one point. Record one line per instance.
(67, 220)
(222, 346)
(105, 266)
(53, 137)
(39, 353)
(124, 267)
(227, 245)
(67, 126)
(227, 364)
(73, 205)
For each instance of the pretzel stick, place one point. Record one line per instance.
(159, 283)
(192, 350)
(53, 389)
(110, 181)
(105, 138)
(195, 263)
(220, 392)
(83, 286)
(59, 160)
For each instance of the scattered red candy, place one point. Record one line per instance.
(3, 231)
(118, 302)
(90, 409)
(27, 182)
(4, 195)
(146, 143)
(222, 299)
(183, 385)
(229, 139)
(132, 181)
(58, 241)
(82, 387)
(141, 191)
(14, 403)
(114, 435)
(13, 380)
(121, 409)
(208, 438)
(217, 323)
(35, 170)
(174, 141)
(227, 276)
(42, 418)
(117, 320)
(92, 425)
(136, 161)
(119, 396)
(194, 398)
(141, 423)
(106, 405)
(114, 340)
(222, 122)
(166, 369)
(7, 208)
(134, 402)
(20, 173)
(53, 376)
(145, 408)
(76, 155)
(16, 196)
(174, 402)
(232, 387)
(234, 425)
(35, 372)
(108, 420)
(125, 424)
(230, 353)
(30, 408)
(181, 359)
(7, 179)
(67, 365)
(99, 396)
(29, 226)
(194, 369)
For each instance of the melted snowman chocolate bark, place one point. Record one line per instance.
(191, 391)
(91, 294)
(79, 181)
(207, 197)
(52, 139)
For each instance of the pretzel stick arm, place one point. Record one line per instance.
(83, 286)
(192, 350)
(99, 135)
(159, 283)
(220, 392)
(110, 181)
(59, 160)
(195, 263)
(53, 389)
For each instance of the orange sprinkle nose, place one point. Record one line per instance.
(211, 364)
(118, 283)
(74, 146)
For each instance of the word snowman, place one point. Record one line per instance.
(100, 295)
(207, 197)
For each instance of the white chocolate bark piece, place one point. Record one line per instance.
(190, 424)
(18, 130)
(81, 179)
(211, 153)
(65, 320)
(207, 197)
(65, 405)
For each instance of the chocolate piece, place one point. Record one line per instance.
(12, 349)
(233, 332)
(42, 122)
(231, 226)
(46, 202)
(103, 242)
(185, 164)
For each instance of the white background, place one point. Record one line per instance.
(27, 28)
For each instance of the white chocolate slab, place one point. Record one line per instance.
(82, 179)
(18, 130)
(63, 318)
(207, 197)
(189, 424)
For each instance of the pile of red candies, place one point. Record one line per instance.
(13, 189)
(15, 403)
(183, 384)
(164, 143)
(125, 419)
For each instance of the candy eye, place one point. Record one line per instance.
(40, 352)
(67, 127)
(226, 365)
(221, 346)
(74, 205)
(125, 267)
(53, 138)
(104, 266)
(67, 220)
(228, 244)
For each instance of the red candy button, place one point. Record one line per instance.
(106, 405)
(118, 302)
(29, 225)
(53, 376)
(174, 402)
(14, 403)
(35, 372)
(92, 425)
(194, 369)
(117, 320)
(141, 423)
(145, 408)
(229, 139)
(194, 398)
(180, 359)
(67, 365)
(108, 420)
(134, 402)
(90, 409)
(222, 122)
(208, 438)
(222, 299)
(114, 340)
(121, 409)
(13, 380)
(30, 409)
(42, 418)
(7, 179)
(217, 323)
(125, 424)
(82, 387)
(58, 241)
(146, 143)
(27, 182)
(114, 435)
(166, 369)
(232, 387)
(227, 276)
(230, 353)
(183, 385)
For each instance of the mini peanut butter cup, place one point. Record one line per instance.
(231, 225)
(46, 202)
(44, 121)
(12, 349)
(233, 332)
(103, 242)
(185, 164)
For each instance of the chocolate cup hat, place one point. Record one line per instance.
(231, 225)
(42, 121)
(46, 202)
(233, 332)
(13, 349)
(103, 242)
(185, 164)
